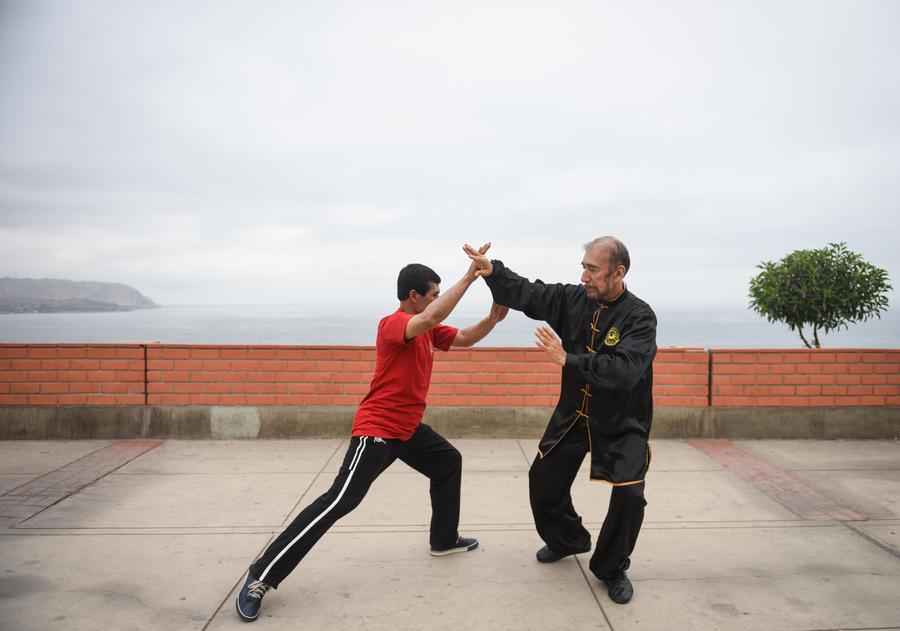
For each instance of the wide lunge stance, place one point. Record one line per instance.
(387, 427)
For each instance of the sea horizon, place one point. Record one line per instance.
(356, 325)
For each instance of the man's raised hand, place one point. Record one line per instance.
(483, 266)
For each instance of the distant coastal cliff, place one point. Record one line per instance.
(50, 295)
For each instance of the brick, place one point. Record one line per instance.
(26, 364)
(262, 353)
(872, 400)
(860, 368)
(848, 379)
(13, 399)
(25, 388)
(187, 364)
(821, 401)
(214, 365)
(44, 352)
(130, 353)
(130, 376)
(73, 399)
(886, 390)
(868, 358)
(100, 352)
(113, 388)
(205, 353)
(859, 390)
(174, 376)
(43, 399)
(166, 352)
(113, 364)
(188, 388)
(13, 352)
(783, 369)
(54, 388)
(846, 401)
(101, 375)
(817, 357)
(43, 375)
(13, 376)
(73, 352)
(245, 364)
(834, 369)
(796, 379)
(875, 380)
(796, 358)
(822, 379)
(84, 388)
(233, 353)
(783, 390)
(809, 390)
(834, 390)
(288, 353)
(887, 369)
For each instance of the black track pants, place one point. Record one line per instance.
(426, 451)
(559, 524)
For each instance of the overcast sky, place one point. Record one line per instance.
(280, 152)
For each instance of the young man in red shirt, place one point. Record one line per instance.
(388, 426)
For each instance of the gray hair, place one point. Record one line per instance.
(618, 253)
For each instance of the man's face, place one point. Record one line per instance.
(421, 301)
(599, 278)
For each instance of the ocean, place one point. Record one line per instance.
(355, 324)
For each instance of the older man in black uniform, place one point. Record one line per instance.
(606, 346)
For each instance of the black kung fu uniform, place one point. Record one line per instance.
(605, 407)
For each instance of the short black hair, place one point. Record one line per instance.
(415, 276)
(618, 253)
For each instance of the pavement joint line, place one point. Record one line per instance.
(797, 496)
(524, 455)
(872, 539)
(274, 533)
(587, 581)
(71, 478)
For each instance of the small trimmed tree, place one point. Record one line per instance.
(824, 289)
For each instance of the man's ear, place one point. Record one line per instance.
(412, 293)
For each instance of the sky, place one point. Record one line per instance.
(289, 152)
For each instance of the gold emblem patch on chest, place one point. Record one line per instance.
(612, 337)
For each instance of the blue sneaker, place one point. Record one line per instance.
(463, 544)
(249, 599)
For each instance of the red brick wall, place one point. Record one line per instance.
(108, 374)
(807, 378)
(71, 374)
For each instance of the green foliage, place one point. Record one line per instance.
(826, 289)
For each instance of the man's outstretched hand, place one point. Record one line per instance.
(550, 344)
(483, 266)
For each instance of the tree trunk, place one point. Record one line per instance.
(800, 330)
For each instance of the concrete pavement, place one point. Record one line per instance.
(793, 535)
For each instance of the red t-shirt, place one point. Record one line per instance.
(394, 406)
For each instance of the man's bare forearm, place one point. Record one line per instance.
(471, 335)
(438, 310)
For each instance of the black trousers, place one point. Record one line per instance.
(559, 524)
(426, 451)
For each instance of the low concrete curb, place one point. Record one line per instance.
(218, 422)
